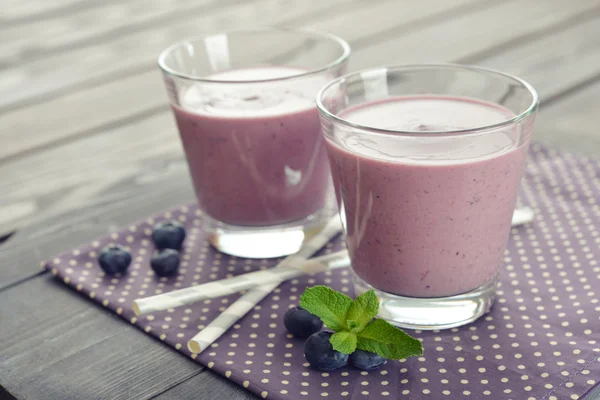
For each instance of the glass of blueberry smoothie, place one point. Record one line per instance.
(426, 163)
(244, 103)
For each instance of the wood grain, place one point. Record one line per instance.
(566, 77)
(386, 19)
(136, 52)
(74, 349)
(149, 174)
(144, 94)
(574, 119)
(20, 11)
(594, 393)
(556, 62)
(470, 34)
(92, 25)
(206, 386)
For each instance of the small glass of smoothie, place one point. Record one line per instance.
(244, 103)
(427, 162)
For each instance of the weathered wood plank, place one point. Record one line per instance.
(554, 63)
(102, 62)
(594, 394)
(386, 19)
(471, 33)
(91, 25)
(141, 93)
(104, 186)
(150, 175)
(206, 386)
(571, 64)
(574, 118)
(82, 112)
(58, 345)
(144, 91)
(19, 11)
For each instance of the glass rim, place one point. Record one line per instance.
(307, 32)
(475, 130)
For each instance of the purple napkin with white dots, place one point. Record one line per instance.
(541, 340)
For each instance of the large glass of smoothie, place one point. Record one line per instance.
(427, 162)
(244, 103)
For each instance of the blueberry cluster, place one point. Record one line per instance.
(318, 350)
(168, 237)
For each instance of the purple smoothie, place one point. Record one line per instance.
(255, 152)
(427, 216)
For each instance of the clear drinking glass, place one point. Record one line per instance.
(427, 162)
(244, 102)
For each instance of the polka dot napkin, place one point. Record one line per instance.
(541, 340)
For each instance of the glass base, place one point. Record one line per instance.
(432, 313)
(264, 241)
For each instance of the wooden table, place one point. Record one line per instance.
(88, 144)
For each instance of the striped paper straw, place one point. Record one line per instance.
(292, 266)
(241, 282)
(243, 305)
(248, 301)
(522, 216)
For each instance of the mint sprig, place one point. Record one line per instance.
(353, 322)
(344, 342)
(327, 304)
(388, 341)
(362, 311)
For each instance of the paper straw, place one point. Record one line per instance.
(522, 216)
(241, 282)
(248, 301)
(243, 305)
(193, 294)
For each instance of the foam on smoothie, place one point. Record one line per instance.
(424, 115)
(252, 100)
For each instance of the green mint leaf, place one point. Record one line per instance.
(380, 337)
(344, 342)
(362, 311)
(353, 325)
(327, 304)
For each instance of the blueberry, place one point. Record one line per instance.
(301, 323)
(366, 360)
(114, 259)
(168, 235)
(165, 262)
(320, 353)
